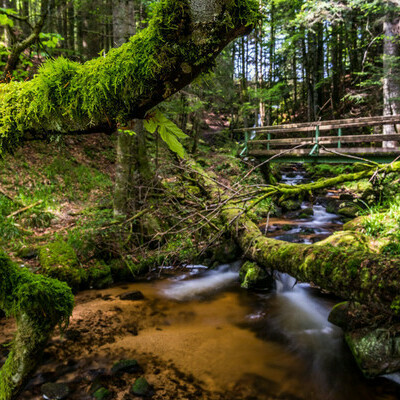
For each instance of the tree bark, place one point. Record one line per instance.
(391, 80)
(133, 168)
(38, 304)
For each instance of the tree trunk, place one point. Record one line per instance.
(38, 304)
(391, 80)
(133, 168)
(124, 21)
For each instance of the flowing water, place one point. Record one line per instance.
(238, 344)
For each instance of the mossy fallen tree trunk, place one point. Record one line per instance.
(181, 41)
(342, 264)
(38, 304)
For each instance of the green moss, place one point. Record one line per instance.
(99, 276)
(45, 300)
(59, 260)
(67, 96)
(252, 276)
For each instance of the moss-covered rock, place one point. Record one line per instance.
(141, 387)
(102, 394)
(99, 276)
(349, 211)
(291, 205)
(252, 277)
(376, 351)
(355, 224)
(59, 261)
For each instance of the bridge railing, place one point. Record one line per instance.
(305, 140)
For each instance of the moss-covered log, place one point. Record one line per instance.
(38, 304)
(342, 263)
(182, 40)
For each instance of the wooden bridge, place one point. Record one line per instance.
(341, 143)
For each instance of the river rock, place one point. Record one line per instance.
(376, 351)
(132, 296)
(306, 213)
(349, 211)
(141, 387)
(102, 394)
(252, 277)
(130, 366)
(291, 205)
(55, 391)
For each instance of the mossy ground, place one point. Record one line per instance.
(71, 233)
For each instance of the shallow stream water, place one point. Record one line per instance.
(235, 344)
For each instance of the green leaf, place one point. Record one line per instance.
(4, 20)
(151, 125)
(169, 132)
(173, 143)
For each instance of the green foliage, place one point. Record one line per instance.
(50, 40)
(5, 20)
(168, 131)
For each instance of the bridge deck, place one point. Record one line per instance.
(295, 143)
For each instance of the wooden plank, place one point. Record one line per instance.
(325, 127)
(327, 140)
(341, 123)
(351, 151)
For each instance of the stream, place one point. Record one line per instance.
(198, 335)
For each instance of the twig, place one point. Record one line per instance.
(24, 209)
(138, 215)
(267, 161)
(348, 155)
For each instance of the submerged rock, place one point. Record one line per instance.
(132, 296)
(55, 391)
(141, 387)
(374, 342)
(252, 276)
(130, 366)
(102, 394)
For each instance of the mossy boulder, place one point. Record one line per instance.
(355, 224)
(99, 276)
(306, 213)
(376, 350)
(253, 277)
(141, 387)
(290, 205)
(59, 261)
(102, 394)
(350, 211)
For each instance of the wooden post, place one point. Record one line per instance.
(339, 144)
(269, 138)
